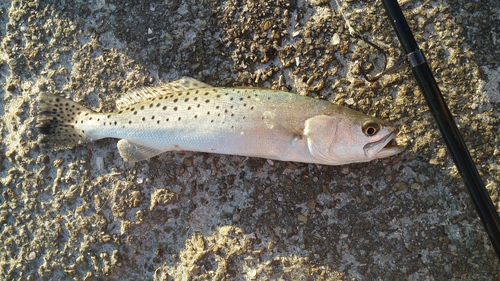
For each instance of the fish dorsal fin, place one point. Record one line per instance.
(187, 83)
(144, 93)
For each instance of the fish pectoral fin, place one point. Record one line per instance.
(133, 152)
(320, 131)
(274, 123)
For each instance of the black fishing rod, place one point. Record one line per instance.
(447, 126)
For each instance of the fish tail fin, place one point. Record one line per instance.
(56, 121)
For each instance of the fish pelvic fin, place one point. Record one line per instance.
(56, 121)
(134, 152)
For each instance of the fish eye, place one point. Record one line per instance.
(370, 128)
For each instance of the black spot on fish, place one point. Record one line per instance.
(158, 104)
(196, 98)
(179, 119)
(151, 105)
(130, 121)
(251, 108)
(207, 101)
(167, 119)
(241, 99)
(208, 112)
(135, 112)
(143, 118)
(186, 100)
(218, 96)
(196, 116)
(198, 105)
(245, 104)
(120, 112)
(176, 100)
(175, 108)
(164, 108)
(206, 93)
(142, 107)
(152, 117)
(158, 122)
(189, 107)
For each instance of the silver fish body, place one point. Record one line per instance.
(188, 115)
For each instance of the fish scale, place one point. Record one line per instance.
(189, 115)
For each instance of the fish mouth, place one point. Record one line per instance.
(383, 148)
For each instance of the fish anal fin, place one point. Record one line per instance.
(133, 152)
(141, 94)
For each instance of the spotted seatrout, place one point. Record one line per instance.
(188, 115)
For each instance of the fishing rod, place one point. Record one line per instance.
(446, 124)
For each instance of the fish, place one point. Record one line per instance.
(189, 115)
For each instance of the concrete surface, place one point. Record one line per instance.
(84, 214)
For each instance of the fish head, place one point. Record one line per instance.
(350, 137)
